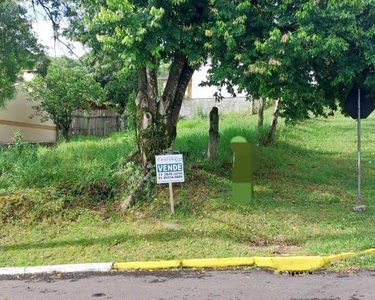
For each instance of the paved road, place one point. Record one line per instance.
(229, 285)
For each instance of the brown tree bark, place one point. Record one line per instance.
(214, 136)
(157, 118)
(261, 103)
(251, 105)
(271, 134)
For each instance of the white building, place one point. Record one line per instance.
(196, 91)
(17, 116)
(199, 92)
(201, 99)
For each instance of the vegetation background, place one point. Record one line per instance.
(59, 204)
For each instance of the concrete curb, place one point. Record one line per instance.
(288, 263)
(70, 268)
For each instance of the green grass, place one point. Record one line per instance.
(59, 204)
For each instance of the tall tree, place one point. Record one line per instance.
(306, 53)
(143, 33)
(18, 46)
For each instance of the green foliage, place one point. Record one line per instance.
(62, 91)
(307, 53)
(83, 170)
(119, 84)
(131, 113)
(143, 33)
(19, 144)
(305, 190)
(42, 66)
(18, 46)
(199, 113)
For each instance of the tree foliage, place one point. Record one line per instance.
(62, 91)
(308, 53)
(119, 85)
(18, 46)
(142, 34)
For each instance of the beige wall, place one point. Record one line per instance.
(16, 116)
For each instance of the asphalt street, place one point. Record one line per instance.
(207, 285)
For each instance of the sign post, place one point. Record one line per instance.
(359, 197)
(171, 198)
(359, 104)
(170, 169)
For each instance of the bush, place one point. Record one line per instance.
(82, 168)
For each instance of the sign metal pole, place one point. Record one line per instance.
(360, 205)
(359, 197)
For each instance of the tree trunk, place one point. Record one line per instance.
(63, 131)
(157, 118)
(251, 105)
(260, 112)
(214, 136)
(271, 134)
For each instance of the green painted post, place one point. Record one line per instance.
(245, 163)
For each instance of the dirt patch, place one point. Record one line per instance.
(277, 250)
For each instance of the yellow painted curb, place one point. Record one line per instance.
(342, 256)
(217, 262)
(148, 265)
(287, 263)
(291, 263)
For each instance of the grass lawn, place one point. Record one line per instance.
(58, 204)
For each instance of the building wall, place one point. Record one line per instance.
(202, 106)
(16, 116)
(199, 92)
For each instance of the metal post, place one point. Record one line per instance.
(360, 206)
(359, 197)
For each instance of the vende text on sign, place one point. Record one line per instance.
(169, 168)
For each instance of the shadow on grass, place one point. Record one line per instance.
(166, 235)
(289, 174)
(293, 180)
(239, 235)
(291, 165)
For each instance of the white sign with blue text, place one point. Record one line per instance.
(169, 168)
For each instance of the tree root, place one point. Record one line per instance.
(131, 156)
(131, 198)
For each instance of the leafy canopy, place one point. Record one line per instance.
(120, 86)
(142, 33)
(307, 53)
(18, 46)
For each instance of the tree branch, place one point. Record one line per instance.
(54, 17)
(152, 89)
(186, 74)
(172, 83)
(131, 198)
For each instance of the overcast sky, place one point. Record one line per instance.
(44, 32)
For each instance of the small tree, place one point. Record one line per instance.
(61, 92)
